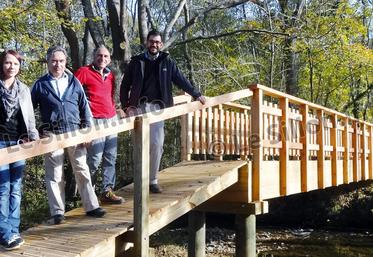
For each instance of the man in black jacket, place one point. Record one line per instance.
(147, 85)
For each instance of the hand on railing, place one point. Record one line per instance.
(202, 99)
(121, 113)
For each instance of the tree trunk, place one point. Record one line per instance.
(119, 24)
(187, 53)
(63, 12)
(95, 27)
(291, 68)
(143, 20)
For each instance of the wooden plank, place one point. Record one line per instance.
(221, 133)
(239, 192)
(284, 151)
(238, 133)
(264, 135)
(346, 155)
(256, 208)
(141, 177)
(228, 132)
(247, 133)
(333, 142)
(256, 146)
(272, 92)
(216, 133)
(363, 154)
(209, 129)
(242, 136)
(203, 131)
(179, 110)
(196, 133)
(305, 143)
(269, 131)
(54, 142)
(186, 137)
(271, 111)
(295, 116)
(321, 152)
(218, 177)
(237, 107)
(355, 146)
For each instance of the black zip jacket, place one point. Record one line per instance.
(132, 83)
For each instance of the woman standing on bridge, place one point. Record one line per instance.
(17, 125)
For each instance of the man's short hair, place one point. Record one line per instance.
(54, 49)
(154, 33)
(98, 48)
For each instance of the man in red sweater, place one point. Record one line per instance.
(99, 85)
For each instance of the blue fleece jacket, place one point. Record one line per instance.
(61, 115)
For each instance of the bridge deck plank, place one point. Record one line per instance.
(185, 186)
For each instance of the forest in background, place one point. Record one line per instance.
(318, 50)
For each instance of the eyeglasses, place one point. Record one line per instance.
(155, 42)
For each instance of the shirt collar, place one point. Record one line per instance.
(106, 70)
(150, 56)
(64, 76)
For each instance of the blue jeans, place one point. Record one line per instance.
(10, 196)
(104, 149)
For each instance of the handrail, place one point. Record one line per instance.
(272, 92)
(55, 142)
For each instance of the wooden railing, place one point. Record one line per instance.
(294, 145)
(217, 131)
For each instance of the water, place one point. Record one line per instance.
(310, 243)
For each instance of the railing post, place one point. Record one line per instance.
(186, 137)
(346, 154)
(284, 151)
(363, 154)
(321, 152)
(305, 143)
(197, 234)
(333, 142)
(256, 140)
(355, 145)
(141, 187)
(245, 235)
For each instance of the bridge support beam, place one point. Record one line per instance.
(245, 235)
(197, 234)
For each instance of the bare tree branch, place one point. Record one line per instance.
(173, 20)
(193, 20)
(259, 31)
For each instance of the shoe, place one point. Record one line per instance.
(57, 219)
(97, 213)
(155, 189)
(20, 241)
(12, 244)
(111, 198)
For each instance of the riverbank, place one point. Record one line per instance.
(271, 242)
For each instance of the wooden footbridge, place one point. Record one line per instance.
(255, 144)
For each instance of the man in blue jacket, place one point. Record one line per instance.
(63, 108)
(147, 85)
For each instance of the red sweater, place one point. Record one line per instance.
(99, 91)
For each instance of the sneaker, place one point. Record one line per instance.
(20, 241)
(57, 219)
(155, 189)
(12, 244)
(97, 213)
(111, 198)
